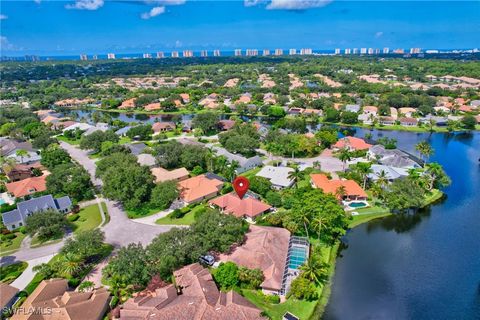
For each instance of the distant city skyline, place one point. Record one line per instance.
(98, 27)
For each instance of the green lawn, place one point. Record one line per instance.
(434, 195)
(9, 273)
(35, 243)
(124, 140)
(105, 211)
(9, 246)
(187, 219)
(142, 212)
(251, 173)
(90, 218)
(365, 217)
(67, 140)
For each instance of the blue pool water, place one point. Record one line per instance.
(298, 255)
(2, 201)
(357, 204)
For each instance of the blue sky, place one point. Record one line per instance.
(101, 26)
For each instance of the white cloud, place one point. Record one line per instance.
(178, 44)
(378, 34)
(86, 4)
(251, 3)
(3, 17)
(296, 4)
(155, 11)
(7, 45)
(37, 1)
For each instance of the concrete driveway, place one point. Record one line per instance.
(27, 275)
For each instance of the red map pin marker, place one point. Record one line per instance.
(241, 185)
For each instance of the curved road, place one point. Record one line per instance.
(120, 231)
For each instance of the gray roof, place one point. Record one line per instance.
(146, 159)
(392, 173)
(123, 130)
(136, 148)
(352, 107)
(34, 205)
(31, 157)
(393, 158)
(277, 175)
(9, 146)
(243, 161)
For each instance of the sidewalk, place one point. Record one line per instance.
(27, 275)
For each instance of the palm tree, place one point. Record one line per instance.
(434, 172)
(314, 270)
(318, 224)
(70, 264)
(382, 179)
(304, 216)
(317, 165)
(230, 170)
(21, 153)
(341, 192)
(295, 175)
(344, 156)
(431, 125)
(210, 159)
(425, 150)
(364, 169)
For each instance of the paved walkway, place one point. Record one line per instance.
(27, 275)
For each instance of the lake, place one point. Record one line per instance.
(422, 266)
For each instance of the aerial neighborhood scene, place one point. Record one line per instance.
(271, 159)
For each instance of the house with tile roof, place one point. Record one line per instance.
(159, 127)
(53, 295)
(128, 104)
(28, 186)
(278, 176)
(352, 190)
(8, 295)
(162, 174)
(392, 157)
(265, 248)
(199, 188)
(194, 295)
(248, 207)
(21, 171)
(17, 218)
(351, 143)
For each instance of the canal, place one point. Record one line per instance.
(423, 266)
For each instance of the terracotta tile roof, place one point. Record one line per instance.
(27, 186)
(266, 248)
(65, 305)
(226, 124)
(352, 143)
(198, 298)
(371, 109)
(152, 106)
(163, 126)
(128, 104)
(162, 174)
(50, 119)
(7, 293)
(246, 207)
(408, 120)
(199, 187)
(352, 188)
(185, 97)
(465, 108)
(63, 124)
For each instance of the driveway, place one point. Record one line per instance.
(27, 275)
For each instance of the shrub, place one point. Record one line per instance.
(176, 214)
(73, 217)
(273, 298)
(73, 282)
(22, 229)
(10, 236)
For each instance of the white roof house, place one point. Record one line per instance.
(278, 176)
(146, 159)
(244, 163)
(80, 125)
(391, 173)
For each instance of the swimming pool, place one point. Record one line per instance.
(298, 255)
(2, 201)
(357, 204)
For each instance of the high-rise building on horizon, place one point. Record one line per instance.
(279, 52)
(216, 53)
(204, 53)
(266, 52)
(337, 51)
(175, 54)
(187, 53)
(370, 51)
(160, 55)
(83, 57)
(377, 51)
(95, 57)
(355, 51)
(111, 56)
(306, 51)
(386, 50)
(348, 51)
(238, 52)
(251, 52)
(292, 51)
(415, 50)
(363, 50)
(147, 56)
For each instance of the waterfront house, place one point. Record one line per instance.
(391, 173)
(352, 108)
(16, 218)
(159, 127)
(392, 157)
(192, 295)
(53, 295)
(226, 125)
(387, 121)
(407, 112)
(152, 106)
(278, 176)
(408, 122)
(352, 190)
(128, 104)
(351, 143)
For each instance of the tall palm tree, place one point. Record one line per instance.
(304, 216)
(382, 179)
(344, 156)
(318, 224)
(71, 264)
(317, 165)
(433, 173)
(210, 159)
(425, 150)
(314, 270)
(295, 175)
(230, 170)
(341, 192)
(364, 169)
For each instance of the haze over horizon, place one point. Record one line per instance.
(98, 26)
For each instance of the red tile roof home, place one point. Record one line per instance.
(352, 143)
(408, 121)
(370, 109)
(63, 124)
(162, 174)
(247, 207)
(185, 97)
(128, 104)
(465, 108)
(196, 297)
(199, 188)
(27, 186)
(50, 119)
(352, 189)
(226, 124)
(22, 171)
(459, 101)
(163, 126)
(245, 98)
(52, 294)
(7, 295)
(265, 248)
(152, 106)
